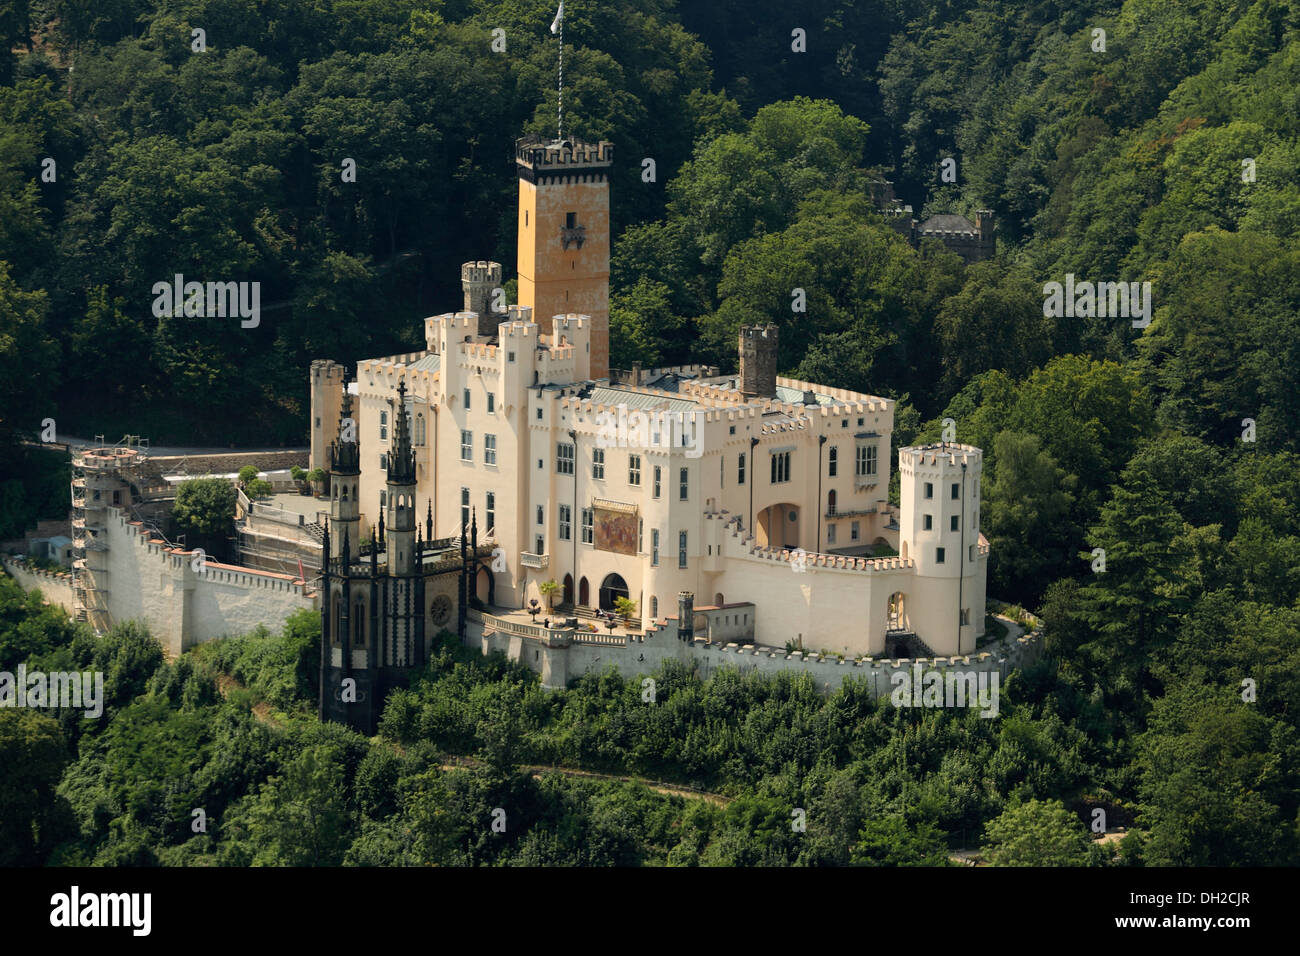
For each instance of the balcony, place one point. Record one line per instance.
(537, 561)
(573, 234)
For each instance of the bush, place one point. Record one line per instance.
(247, 473)
(258, 488)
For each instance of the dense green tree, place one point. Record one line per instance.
(1036, 833)
(205, 505)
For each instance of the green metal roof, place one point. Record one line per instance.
(607, 395)
(429, 363)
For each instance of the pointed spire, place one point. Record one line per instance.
(379, 543)
(473, 530)
(401, 462)
(325, 550)
(428, 523)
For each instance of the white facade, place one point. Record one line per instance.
(492, 424)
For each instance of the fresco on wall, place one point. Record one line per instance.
(615, 531)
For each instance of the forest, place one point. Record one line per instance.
(1170, 693)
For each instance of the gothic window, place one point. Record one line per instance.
(834, 461)
(491, 510)
(564, 455)
(586, 526)
(598, 463)
(634, 469)
(490, 449)
(383, 426)
(440, 609)
(419, 429)
(566, 521)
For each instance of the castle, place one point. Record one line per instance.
(766, 495)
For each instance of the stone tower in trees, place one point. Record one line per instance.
(758, 361)
(564, 235)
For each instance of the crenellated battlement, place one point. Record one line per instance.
(481, 273)
(533, 153)
(939, 455)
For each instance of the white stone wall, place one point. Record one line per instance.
(55, 588)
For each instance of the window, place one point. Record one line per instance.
(954, 523)
(731, 432)
(117, 498)
(570, 220)
(956, 489)
(383, 426)
(733, 427)
(654, 547)
(654, 605)
(566, 523)
(540, 543)
(598, 463)
(830, 502)
(834, 461)
(466, 445)
(929, 490)
(464, 509)
(491, 510)
(681, 549)
(683, 484)
(965, 616)
(419, 429)
(510, 356)
(563, 458)
(854, 531)
(634, 469)
(866, 461)
(539, 414)
(541, 515)
(844, 423)
(741, 471)
(492, 403)
(489, 449)
(929, 523)
(466, 393)
(860, 422)
(830, 534)
(586, 526)
(640, 536)
(658, 474)
(971, 556)
(938, 555)
(780, 467)
(383, 462)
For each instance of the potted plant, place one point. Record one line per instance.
(548, 589)
(626, 609)
(299, 475)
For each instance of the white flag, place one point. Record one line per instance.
(559, 16)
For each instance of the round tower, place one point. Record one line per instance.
(327, 380)
(479, 281)
(939, 505)
(758, 361)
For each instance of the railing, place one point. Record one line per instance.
(530, 560)
(590, 637)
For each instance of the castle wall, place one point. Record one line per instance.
(183, 606)
(560, 662)
(55, 587)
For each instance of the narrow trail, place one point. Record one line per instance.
(659, 786)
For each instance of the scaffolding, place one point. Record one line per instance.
(102, 477)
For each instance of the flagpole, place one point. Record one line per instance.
(560, 120)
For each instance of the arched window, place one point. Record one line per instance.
(419, 429)
(654, 607)
(830, 502)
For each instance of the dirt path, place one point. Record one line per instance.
(658, 786)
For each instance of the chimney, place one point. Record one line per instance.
(686, 616)
(758, 360)
(480, 280)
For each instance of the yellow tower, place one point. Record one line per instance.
(564, 235)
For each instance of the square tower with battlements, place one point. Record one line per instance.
(564, 235)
